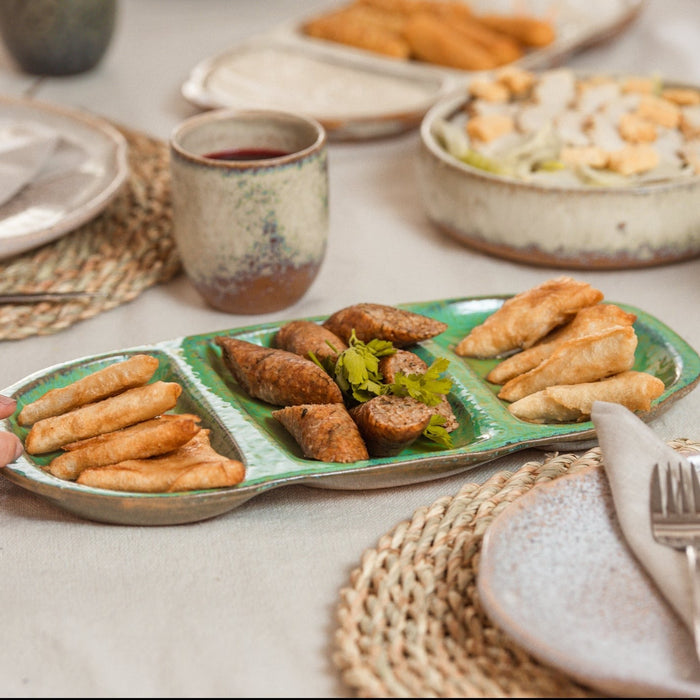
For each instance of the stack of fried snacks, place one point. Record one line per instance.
(113, 432)
(441, 32)
(571, 349)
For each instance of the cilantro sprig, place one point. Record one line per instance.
(428, 387)
(356, 371)
(357, 368)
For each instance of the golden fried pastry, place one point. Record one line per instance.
(195, 465)
(113, 413)
(140, 441)
(528, 316)
(502, 48)
(434, 40)
(133, 372)
(524, 28)
(578, 360)
(573, 402)
(345, 28)
(588, 320)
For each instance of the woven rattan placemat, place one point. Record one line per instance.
(410, 621)
(123, 251)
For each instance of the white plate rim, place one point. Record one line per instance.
(117, 171)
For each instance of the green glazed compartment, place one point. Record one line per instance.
(243, 427)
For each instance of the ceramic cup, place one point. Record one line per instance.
(250, 206)
(57, 37)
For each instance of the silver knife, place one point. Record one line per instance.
(36, 297)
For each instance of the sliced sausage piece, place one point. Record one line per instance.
(390, 423)
(304, 337)
(277, 376)
(409, 363)
(401, 361)
(371, 321)
(324, 431)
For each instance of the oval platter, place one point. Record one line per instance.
(243, 428)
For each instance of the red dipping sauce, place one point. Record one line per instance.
(246, 154)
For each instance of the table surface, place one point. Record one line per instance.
(244, 604)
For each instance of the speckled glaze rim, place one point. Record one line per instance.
(283, 118)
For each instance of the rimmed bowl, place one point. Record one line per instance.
(586, 227)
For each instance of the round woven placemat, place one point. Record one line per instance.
(410, 621)
(123, 251)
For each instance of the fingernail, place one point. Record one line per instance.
(18, 450)
(6, 401)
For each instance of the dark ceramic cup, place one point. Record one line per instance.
(57, 37)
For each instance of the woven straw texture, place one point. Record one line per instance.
(410, 621)
(123, 251)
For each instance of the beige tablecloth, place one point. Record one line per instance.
(244, 604)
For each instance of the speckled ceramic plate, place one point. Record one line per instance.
(556, 574)
(55, 205)
(243, 428)
(360, 95)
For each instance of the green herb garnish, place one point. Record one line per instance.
(428, 387)
(356, 371)
(357, 368)
(435, 432)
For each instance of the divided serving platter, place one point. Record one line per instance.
(243, 428)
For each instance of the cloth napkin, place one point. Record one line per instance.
(630, 448)
(25, 149)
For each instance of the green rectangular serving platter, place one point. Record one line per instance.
(243, 428)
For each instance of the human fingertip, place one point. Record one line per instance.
(19, 449)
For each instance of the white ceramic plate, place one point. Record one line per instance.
(53, 206)
(557, 576)
(356, 94)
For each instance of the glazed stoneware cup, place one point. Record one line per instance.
(250, 206)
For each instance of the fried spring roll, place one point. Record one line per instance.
(585, 359)
(390, 423)
(195, 465)
(573, 402)
(434, 40)
(370, 321)
(306, 337)
(277, 376)
(528, 316)
(133, 372)
(140, 441)
(344, 29)
(325, 432)
(528, 30)
(454, 8)
(113, 413)
(591, 319)
(504, 49)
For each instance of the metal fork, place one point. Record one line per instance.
(675, 522)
